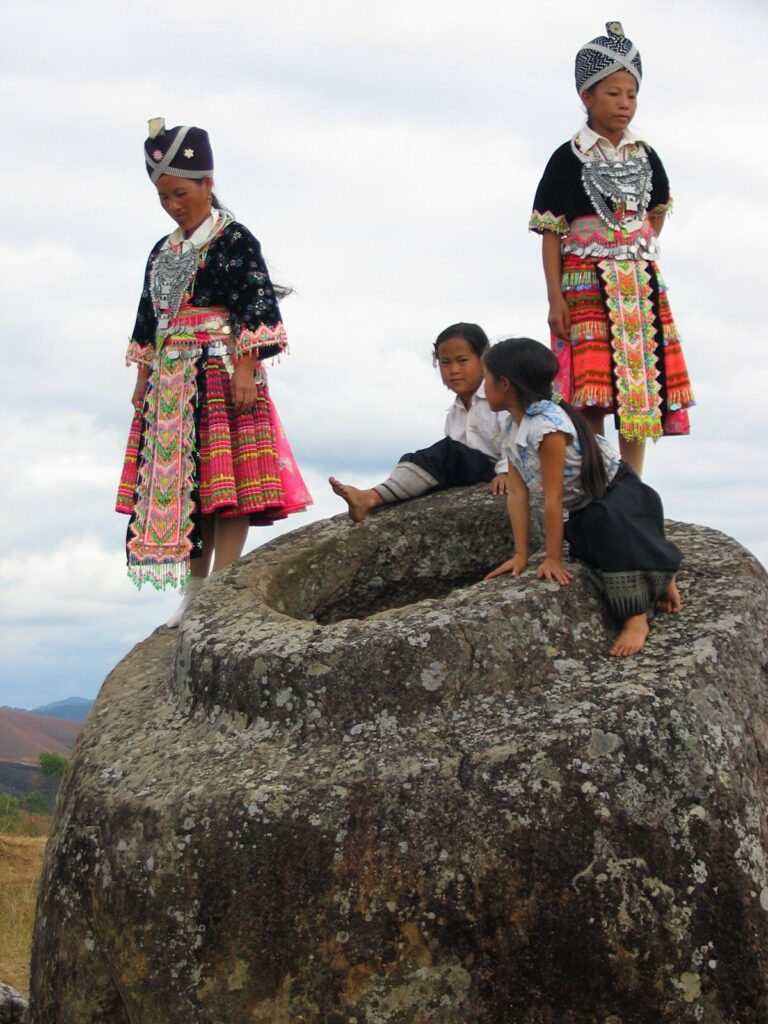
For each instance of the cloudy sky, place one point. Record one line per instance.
(386, 155)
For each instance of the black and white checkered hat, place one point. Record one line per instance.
(602, 56)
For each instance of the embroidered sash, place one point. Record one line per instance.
(633, 340)
(159, 546)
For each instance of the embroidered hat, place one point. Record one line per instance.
(602, 56)
(182, 152)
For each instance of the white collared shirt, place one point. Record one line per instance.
(478, 427)
(587, 139)
(199, 236)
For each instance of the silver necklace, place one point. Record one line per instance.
(169, 278)
(609, 184)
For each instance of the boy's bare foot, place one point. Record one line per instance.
(360, 502)
(670, 600)
(632, 637)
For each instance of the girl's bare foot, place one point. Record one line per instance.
(670, 600)
(632, 636)
(360, 502)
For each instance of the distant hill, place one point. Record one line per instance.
(22, 779)
(74, 709)
(23, 735)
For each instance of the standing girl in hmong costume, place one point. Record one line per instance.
(599, 207)
(615, 521)
(207, 456)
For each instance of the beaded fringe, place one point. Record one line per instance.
(158, 575)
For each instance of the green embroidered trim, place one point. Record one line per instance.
(160, 545)
(548, 221)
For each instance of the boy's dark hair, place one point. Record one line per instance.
(530, 367)
(473, 334)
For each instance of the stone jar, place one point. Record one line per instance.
(363, 785)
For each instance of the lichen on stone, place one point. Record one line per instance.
(362, 784)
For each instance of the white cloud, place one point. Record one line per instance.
(386, 155)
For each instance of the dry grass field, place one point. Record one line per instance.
(21, 859)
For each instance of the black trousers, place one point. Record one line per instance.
(453, 464)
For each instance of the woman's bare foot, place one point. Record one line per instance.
(632, 636)
(670, 600)
(360, 502)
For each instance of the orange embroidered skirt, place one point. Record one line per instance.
(624, 353)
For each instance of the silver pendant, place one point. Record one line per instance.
(618, 183)
(170, 277)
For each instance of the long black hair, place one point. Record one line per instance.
(473, 334)
(530, 368)
(282, 291)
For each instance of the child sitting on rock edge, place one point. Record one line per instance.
(469, 453)
(615, 522)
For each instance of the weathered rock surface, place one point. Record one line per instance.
(361, 786)
(13, 1006)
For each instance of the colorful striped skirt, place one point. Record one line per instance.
(624, 354)
(190, 455)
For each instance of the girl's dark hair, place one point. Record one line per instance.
(530, 367)
(473, 334)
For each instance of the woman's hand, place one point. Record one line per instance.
(140, 390)
(515, 565)
(553, 571)
(243, 386)
(499, 484)
(559, 318)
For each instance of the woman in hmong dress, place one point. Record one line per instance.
(599, 207)
(206, 456)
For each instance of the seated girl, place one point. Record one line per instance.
(615, 522)
(469, 453)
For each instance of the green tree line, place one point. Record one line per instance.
(52, 766)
